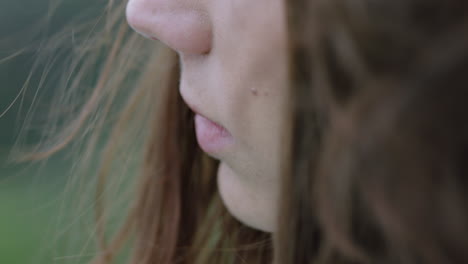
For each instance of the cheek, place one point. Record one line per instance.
(251, 66)
(251, 44)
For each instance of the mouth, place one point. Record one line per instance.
(212, 137)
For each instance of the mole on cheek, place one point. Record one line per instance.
(256, 92)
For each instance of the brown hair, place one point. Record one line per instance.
(379, 136)
(382, 178)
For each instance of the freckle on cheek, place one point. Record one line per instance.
(256, 92)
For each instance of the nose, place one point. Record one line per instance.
(183, 25)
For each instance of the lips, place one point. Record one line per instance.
(212, 137)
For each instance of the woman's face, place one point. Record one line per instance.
(234, 76)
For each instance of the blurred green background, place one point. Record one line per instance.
(33, 212)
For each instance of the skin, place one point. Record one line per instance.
(234, 72)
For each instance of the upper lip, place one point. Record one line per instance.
(197, 111)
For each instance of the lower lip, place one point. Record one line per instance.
(211, 137)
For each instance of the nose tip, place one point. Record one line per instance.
(184, 29)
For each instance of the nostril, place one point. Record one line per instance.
(183, 29)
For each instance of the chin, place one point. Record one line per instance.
(254, 207)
